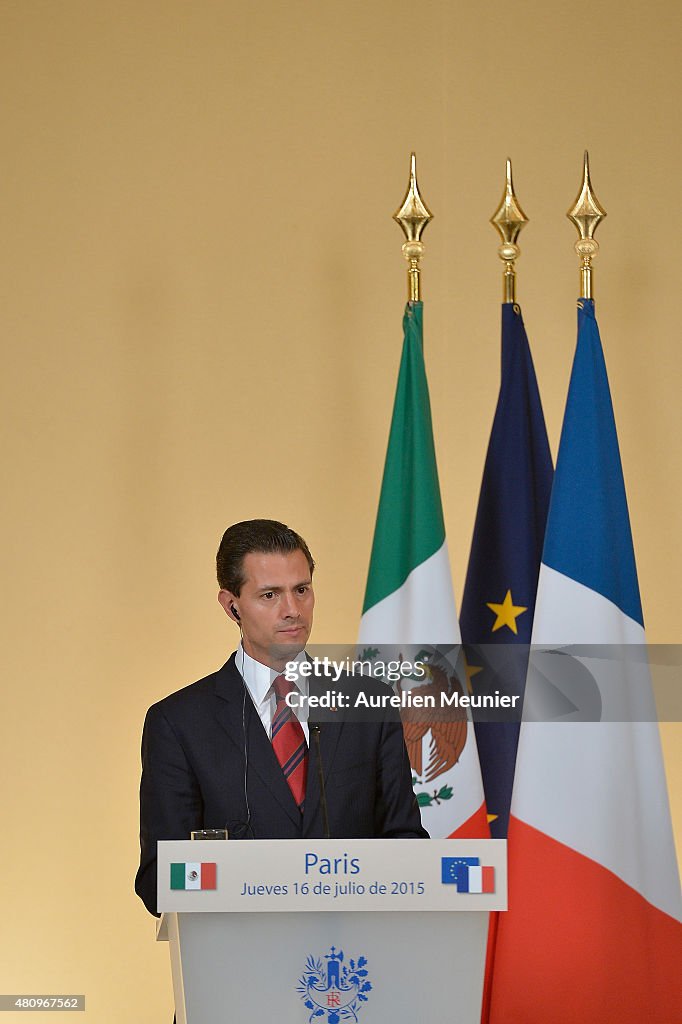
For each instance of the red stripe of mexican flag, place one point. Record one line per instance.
(208, 876)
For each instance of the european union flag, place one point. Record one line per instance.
(504, 564)
(455, 870)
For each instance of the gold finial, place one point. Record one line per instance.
(509, 219)
(413, 216)
(586, 213)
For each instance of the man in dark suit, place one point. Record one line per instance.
(231, 751)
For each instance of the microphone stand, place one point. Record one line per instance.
(315, 731)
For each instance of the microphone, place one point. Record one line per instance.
(314, 729)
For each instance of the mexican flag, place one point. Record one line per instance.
(409, 605)
(193, 875)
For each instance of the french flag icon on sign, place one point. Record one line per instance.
(467, 874)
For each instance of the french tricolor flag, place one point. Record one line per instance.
(593, 934)
(480, 879)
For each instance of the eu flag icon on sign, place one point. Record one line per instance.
(467, 874)
(455, 869)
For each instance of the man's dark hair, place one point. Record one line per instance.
(266, 536)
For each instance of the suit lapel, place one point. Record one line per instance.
(235, 713)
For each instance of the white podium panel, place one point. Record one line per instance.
(420, 966)
(362, 957)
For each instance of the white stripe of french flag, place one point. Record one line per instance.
(481, 879)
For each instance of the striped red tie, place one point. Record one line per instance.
(288, 741)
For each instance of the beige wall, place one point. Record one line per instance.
(202, 297)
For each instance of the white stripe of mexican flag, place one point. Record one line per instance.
(409, 601)
(193, 875)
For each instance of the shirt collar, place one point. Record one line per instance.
(259, 677)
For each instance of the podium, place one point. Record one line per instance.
(330, 931)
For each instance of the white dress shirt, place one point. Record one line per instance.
(259, 679)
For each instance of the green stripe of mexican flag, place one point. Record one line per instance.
(409, 527)
(409, 598)
(193, 875)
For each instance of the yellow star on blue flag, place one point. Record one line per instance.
(507, 613)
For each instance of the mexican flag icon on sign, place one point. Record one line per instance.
(193, 876)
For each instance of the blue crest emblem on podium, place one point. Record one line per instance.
(334, 989)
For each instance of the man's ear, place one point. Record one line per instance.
(227, 599)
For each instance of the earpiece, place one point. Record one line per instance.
(235, 613)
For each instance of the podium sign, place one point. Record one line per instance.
(279, 875)
(334, 931)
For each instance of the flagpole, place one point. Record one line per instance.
(586, 213)
(509, 219)
(413, 215)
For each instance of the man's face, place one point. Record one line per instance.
(275, 606)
